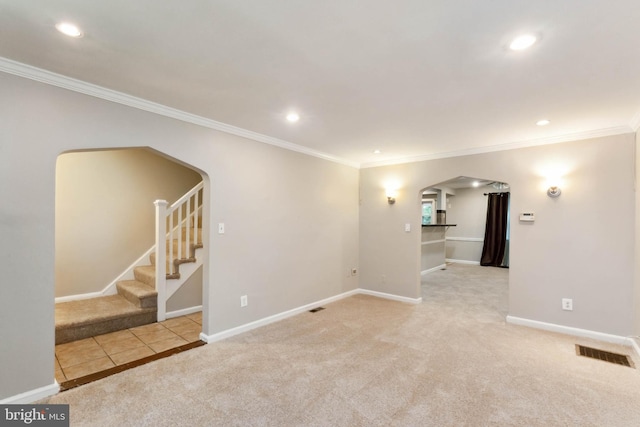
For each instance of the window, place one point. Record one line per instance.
(428, 212)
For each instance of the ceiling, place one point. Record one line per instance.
(464, 182)
(412, 78)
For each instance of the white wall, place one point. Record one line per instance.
(636, 330)
(105, 215)
(468, 210)
(432, 254)
(577, 248)
(291, 219)
(188, 295)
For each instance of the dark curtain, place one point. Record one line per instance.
(495, 249)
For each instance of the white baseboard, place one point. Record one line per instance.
(390, 296)
(465, 239)
(430, 242)
(111, 288)
(462, 261)
(436, 268)
(79, 297)
(568, 330)
(272, 319)
(635, 343)
(32, 395)
(281, 316)
(184, 311)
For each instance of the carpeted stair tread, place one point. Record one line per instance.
(146, 274)
(176, 261)
(167, 264)
(136, 302)
(96, 316)
(87, 310)
(187, 252)
(138, 293)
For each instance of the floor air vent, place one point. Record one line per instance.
(314, 310)
(619, 359)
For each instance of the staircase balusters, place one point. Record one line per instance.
(179, 237)
(188, 225)
(170, 243)
(161, 256)
(195, 219)
(165, 218)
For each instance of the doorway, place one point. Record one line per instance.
(105, 222)
(457, 235)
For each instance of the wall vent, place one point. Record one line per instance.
(594, 353)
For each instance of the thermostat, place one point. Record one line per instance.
(527, 216)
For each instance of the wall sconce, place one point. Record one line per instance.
(554, 176)
(554, 191)
(391, 195)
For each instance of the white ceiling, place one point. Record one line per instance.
(464, 182)
(410, 78)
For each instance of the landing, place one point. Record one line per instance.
(86, 318)
(87, 360)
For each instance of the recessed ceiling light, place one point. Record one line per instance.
(377, 151)
(69, 29)
(522, 42)
(543, 122)
(475, 184)
(293, 117)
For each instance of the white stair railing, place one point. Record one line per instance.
(177, 227)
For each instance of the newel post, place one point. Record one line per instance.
(161, 257)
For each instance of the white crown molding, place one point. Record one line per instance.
(597, 133)
(33, 73)
(48, 77)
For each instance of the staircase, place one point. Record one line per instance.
(140, 297)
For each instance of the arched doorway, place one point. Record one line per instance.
(105, 227)
(454, 238)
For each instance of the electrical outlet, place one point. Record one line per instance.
(243, 301)
(384, 279)
(567, 304)
(354, 271)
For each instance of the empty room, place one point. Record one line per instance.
(321, 213)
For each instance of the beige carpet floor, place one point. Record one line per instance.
(364, 361)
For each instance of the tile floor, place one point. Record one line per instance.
(90, 355)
